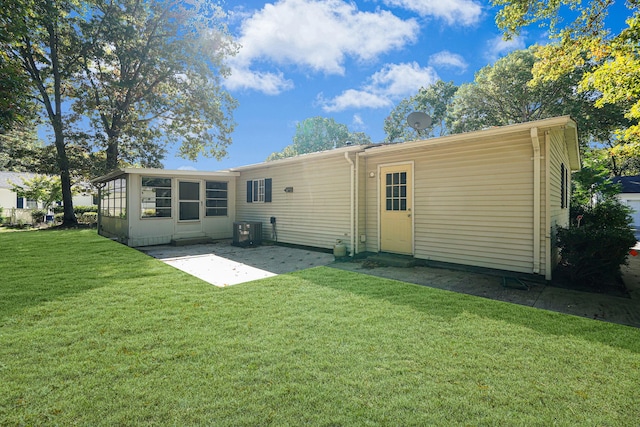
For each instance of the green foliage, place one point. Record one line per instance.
(597, 243)
(591, 181)
(170, 61)
(78, 210)
(88, 218)
(43, 188)
(319, 134)
(501, 94)
(608, 63)
(16, 106)
(433, 100)
(37, 215)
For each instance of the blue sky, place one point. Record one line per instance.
(350, 61)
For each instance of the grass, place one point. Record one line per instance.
(95, 333)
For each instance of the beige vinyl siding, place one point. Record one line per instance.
(316, 213)
(559, 217)
(473, 201)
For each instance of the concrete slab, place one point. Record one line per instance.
(221, 264)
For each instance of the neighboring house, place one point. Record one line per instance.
(18, 207)
(630, 195)
(490, 198)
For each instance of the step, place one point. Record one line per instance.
(185, 241)
(393, 260)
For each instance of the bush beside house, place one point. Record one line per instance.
(597, 243)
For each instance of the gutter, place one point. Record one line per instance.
(535, 142)
(351, 219)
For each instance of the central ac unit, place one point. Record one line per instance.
(247, 233)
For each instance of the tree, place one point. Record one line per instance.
(151, 75)
(501, 95)
(42, 188)
(320, 134)
(16, 107)
(611, 61)
(22, 151)
(38, 36)
(433, 100)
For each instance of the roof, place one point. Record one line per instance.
(630, 184)
(307, 156)
(161, 172)
(564, 123)
(6, 178)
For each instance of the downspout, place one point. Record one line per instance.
(346, 156)
(535, 141)
(549, 263)
(356, 196)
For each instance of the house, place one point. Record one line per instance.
(630, 195)
(19, 208)
(490, 198)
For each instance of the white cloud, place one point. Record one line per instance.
(315, 35)
(352, 98)
(446, 59)
(265, 82)
(465, 12)
(393, 81)
(498, 47)
(357, 123)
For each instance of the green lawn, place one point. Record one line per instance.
(95, 333)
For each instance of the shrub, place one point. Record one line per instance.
(597, 242)
(37, 215)
(78, 210)
(88, 218)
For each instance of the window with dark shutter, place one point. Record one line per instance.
(259, 190)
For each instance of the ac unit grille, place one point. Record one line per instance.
(247, 233)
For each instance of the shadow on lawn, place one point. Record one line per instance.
(450, 305)
(37, 268)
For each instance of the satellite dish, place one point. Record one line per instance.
(418, 120)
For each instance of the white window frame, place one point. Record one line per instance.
(258, 190)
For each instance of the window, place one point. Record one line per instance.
(156, 197)
(114, 198)
(396, 191)
(216, 198)
(259, 190)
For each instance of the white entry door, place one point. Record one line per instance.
(396, 204)
(189, 208)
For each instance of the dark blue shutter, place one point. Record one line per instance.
(267, 190)
(19, 203)
(563, 187)
(249, 191)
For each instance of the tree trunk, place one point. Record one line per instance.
(69, 218)
(112, 153)
(55, 115)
